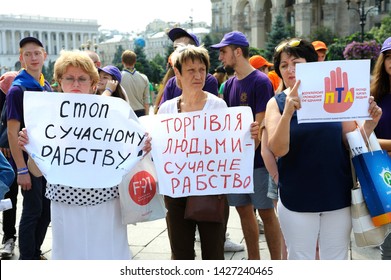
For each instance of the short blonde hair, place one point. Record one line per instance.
(77, 59)
(185, 52)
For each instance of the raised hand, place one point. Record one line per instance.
(292, 102)
(338, 97)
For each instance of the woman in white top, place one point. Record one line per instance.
(86, 222)
(191, 65)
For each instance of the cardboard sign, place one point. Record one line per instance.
(201, 153)
(82, 140)
(333, 91)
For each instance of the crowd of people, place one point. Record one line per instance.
(303, 218)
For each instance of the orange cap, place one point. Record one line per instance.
(319, 45)
(274, 78)
(257, 61)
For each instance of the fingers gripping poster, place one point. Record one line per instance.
(82, 140)
(202, 153)
(333, 91)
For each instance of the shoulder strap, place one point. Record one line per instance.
(23, 88)
(4, 113)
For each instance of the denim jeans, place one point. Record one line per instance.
(9, 216)
(385, 248)
(35, 219)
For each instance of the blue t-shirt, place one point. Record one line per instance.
(315, 175)
(171, 90)
(254, 91)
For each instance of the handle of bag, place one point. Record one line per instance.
(369, 139)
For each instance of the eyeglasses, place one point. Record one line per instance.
(71, 80)
(292, 43)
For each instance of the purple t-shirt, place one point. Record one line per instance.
(171, 90)
(254, 91)
(15, 102)
(383, 128)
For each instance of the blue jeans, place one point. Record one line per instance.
(385, 248)
(9, 216)
(34, 221)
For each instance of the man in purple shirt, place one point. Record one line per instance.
(179, 37)
(250, 87)
(35, 217)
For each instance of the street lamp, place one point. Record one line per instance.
(362, 12)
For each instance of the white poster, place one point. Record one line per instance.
(333, 91)
(82, 140)
(203, 152)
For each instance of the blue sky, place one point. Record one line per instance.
(123, 15)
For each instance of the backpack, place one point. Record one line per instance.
(3, 124)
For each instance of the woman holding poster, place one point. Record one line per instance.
(191, 64)
(381, 91)
(313, 165)
(86, 222)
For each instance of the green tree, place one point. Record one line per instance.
(117, 60)
(157, 68)
(335, 50)
(209, 40)
(48, 71)
(256, 51)
(278, 33)
(142, 64)
(323, 34)
(384, 31)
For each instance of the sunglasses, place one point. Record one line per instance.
(292, 43)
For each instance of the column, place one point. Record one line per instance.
(74, 41)
(3, 42)
(303, 13)
(66, 34)
(58, 43)
(13, 44)
(258, 36)
(49, 47)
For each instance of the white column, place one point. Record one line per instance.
(13, 43)
(66, 34)
(58, 42)
(50, 48)
(3, 45)
(74, 41)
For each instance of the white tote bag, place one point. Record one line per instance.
(366, 234)
(139, 194)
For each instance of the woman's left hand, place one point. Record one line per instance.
(375, 112)
(254, 130)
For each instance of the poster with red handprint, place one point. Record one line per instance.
(333, 91)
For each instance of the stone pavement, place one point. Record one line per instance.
(149, 241)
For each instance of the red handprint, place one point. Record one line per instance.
(338, 97)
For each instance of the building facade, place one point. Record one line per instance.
(255, 17)
(54, 33)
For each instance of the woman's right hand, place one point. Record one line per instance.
(112, 85)
(292, 102)
(23, 139)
